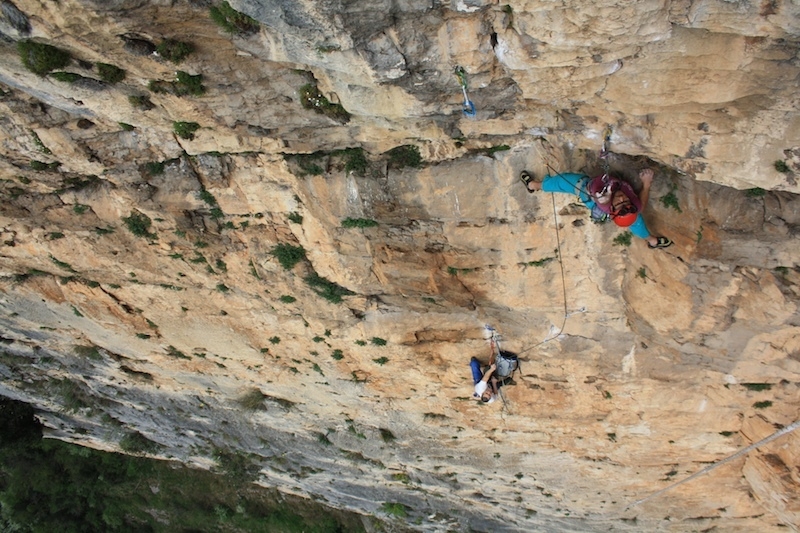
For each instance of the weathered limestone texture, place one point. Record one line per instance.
(345, 376)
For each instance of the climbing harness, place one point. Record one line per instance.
(468, 107)
(787, 429)
(506, 363)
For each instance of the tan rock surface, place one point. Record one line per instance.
(640, 367)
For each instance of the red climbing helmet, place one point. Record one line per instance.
(625, 220)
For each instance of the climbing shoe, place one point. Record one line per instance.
(527, 178)
(661, 242)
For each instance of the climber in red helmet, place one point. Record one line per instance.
(609, 195)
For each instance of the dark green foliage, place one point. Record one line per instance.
(404, 156)
(139, 224)
(55, 235)
(494, 149)
(310, 164)
(253, 400)
(174, 352)
(39, 145)
(623, 239)
(135, 443)
(208, 198)
(287, 299)
(189, 84)
(386, 435)
(216, 213)
(154, 168)
(312, 98)
(327, 289)
(755, 192)
(173, 50)
(671, 200)
(381, 360)
(62, 264)
(184, 84)
(275, 340)
(358, 223)
(398, 510)
(77, 183)
(42, 58)
(355, 160)
(141, 102)
(295, 218)
(125, 126)
(377, 341)
(73, 396)
(454, 271)
(361, 343)
(762, 405)
(66, 77)
(233, 21)
(80, 209)
(221, 287)
(337, 354)
(541, 262)
(781, 166)
(236, 465)
(288, 255)
(90, 352)
(110, 73)
(49, 485)
(143, 335)
(757, 386)
(40, 166)
(185, 130)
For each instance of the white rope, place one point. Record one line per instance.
(788, 429)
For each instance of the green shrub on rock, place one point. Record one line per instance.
(42, 58)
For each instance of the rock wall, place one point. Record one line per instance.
(142, 290)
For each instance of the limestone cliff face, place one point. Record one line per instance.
(142, 290)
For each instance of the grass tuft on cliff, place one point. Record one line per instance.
(326, 288)
(233, 21)
(137, 444)
(288, 255)
(312, 98)
(174, 50)
(42, 58)
(185, 130)
(404, 156)
(253, 400)
(110, 73)
(139, 224)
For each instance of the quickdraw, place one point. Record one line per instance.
(468, 108)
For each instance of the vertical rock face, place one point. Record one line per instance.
(293, 255)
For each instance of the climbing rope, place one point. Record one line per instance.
(468, 107)
(604, 152)
(788, 429)
(563, 280)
